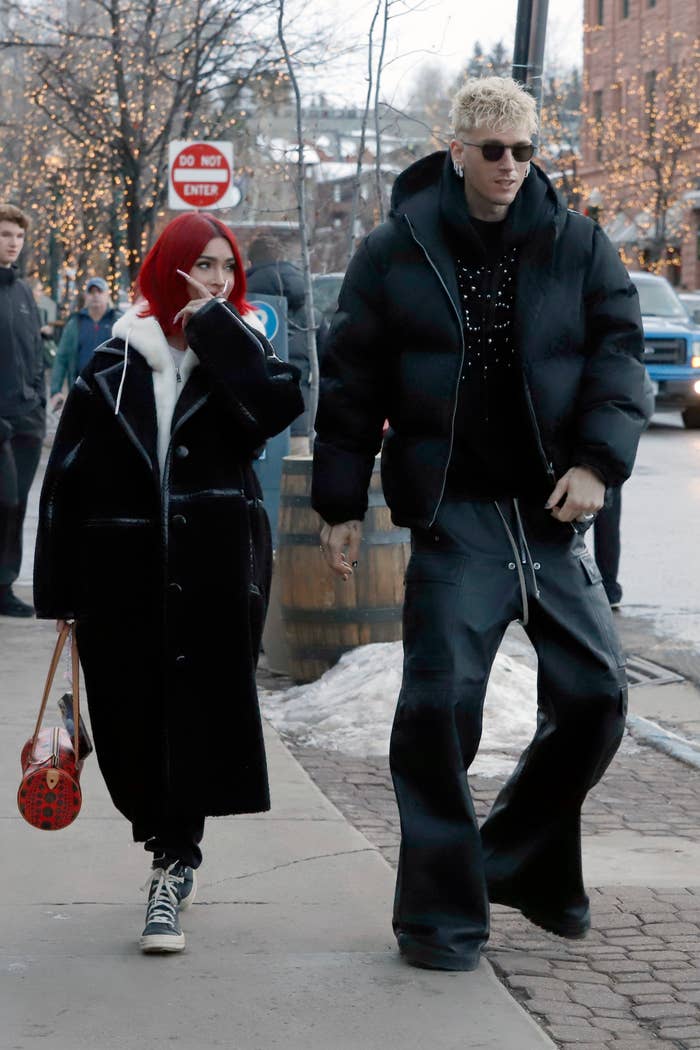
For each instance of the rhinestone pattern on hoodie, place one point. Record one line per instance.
(487, 300)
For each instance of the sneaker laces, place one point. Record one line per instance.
(164, 899)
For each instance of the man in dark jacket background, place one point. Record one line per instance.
(269, 274)
(501, 337)
(22, 403)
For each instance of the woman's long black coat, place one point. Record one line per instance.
(168, 577)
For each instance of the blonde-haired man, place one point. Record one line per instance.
(501, 337)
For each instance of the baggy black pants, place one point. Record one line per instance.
(463, 588)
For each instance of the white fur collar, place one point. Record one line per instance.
(145, 335)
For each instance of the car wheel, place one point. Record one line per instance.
(691, 418)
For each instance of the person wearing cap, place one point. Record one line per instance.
(85, 330)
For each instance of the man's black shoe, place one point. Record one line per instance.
(11, 605)
(573, 923)
(426, 957)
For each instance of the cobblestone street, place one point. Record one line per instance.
(634, 982)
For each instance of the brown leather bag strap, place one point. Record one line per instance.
(60, 642)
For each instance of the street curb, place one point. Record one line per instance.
(678, 747)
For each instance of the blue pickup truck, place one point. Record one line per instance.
(671, 347)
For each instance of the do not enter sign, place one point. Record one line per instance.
(201, 175)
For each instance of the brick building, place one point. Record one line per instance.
(641, 130)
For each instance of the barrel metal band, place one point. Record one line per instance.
(380, 614)
(374, 499)
(371, 539)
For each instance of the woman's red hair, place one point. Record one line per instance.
(179, 246)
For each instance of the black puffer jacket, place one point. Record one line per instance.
(395, 352)
(285, 279)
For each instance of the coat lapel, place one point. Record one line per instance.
(137, 412)
(194, 395)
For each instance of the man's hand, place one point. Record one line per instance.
(336, 540)
(584, 492)
(56, 401)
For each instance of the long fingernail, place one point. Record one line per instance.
(345, 579)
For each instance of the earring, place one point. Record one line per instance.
(527, 170)
(459, 169)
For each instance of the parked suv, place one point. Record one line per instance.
(671, 347)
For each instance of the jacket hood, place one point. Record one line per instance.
(432, 181)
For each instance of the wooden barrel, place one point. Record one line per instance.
(323, 616)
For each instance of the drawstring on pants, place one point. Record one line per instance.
(522, 557)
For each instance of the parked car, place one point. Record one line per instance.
(326, 288)
(691, 301)
(671, 347)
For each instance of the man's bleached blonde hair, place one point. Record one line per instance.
(497, 103)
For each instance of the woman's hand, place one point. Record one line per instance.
(204, 296)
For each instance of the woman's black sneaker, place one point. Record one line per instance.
(171, 889)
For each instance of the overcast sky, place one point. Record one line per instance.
(444, 31)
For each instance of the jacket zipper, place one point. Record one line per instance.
(548, 465)
(459, 372)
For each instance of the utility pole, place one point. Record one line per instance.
(528, 53)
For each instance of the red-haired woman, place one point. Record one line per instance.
(153, 538)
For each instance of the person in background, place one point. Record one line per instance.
(22, 403)
(153, 537)
(85, 330)
(606, 545)
(270, 274)
(47, 312)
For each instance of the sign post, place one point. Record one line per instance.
(201, 175)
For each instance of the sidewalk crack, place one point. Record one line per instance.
(291, 864)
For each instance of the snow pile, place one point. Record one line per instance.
(351, 707)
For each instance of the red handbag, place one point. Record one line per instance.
(49, 795)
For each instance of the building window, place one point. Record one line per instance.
(650, 103)
(625, 8)
(600, 4)
(337, 198)
(598, 124)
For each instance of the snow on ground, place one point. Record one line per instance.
(351, 707)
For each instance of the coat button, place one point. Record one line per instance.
(175, 588)
(180, 661)
(178, 520)
(182, 452)
(511, 564)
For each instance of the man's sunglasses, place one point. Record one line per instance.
(493, 151)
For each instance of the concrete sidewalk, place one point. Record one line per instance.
(289, 943)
